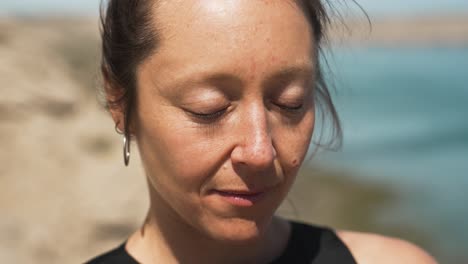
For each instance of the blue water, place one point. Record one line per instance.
(405, 118)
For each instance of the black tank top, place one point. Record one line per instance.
(307, 244)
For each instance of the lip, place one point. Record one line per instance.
(240, 198)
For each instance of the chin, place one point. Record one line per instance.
(239, 230)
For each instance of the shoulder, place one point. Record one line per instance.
(373, 248)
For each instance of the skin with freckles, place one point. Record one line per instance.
(224, 117)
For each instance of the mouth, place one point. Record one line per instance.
(240, 198)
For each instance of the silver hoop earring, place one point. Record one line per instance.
(126, 150)
(117, 130)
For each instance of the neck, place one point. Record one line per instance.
(166, 238)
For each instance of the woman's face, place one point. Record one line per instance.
(225, 112)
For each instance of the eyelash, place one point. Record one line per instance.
(209, 116)
(291, 109)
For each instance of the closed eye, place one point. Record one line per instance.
(290, 108)
(211, 116)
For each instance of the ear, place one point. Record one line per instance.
(114, 105)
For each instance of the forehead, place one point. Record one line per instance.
(231, 34)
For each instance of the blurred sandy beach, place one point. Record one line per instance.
(65, 194)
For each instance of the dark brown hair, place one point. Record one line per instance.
(129, 36)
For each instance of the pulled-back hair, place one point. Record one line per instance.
(129, 37)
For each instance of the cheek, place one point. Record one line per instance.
(293, 143)
(178, 153)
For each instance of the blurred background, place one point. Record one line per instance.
(401, 91)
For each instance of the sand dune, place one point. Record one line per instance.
(60, 158)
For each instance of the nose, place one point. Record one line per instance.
(255, 148)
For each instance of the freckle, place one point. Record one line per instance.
(295, 163)
(253, 66)
(273, 58)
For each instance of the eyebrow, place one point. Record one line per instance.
(220, 79)
(302, 69)
(230, 80)
(289, 74)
